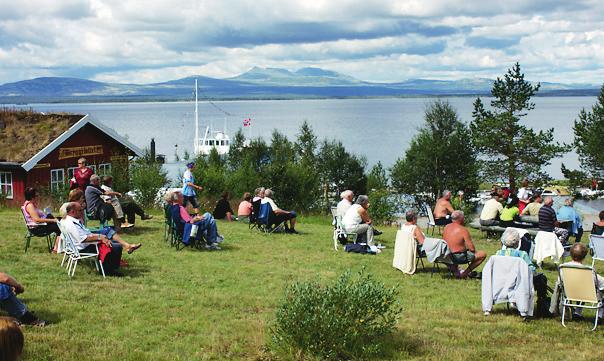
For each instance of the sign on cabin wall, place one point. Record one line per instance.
(76, 152)
(42, 165)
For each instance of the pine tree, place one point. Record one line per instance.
(589, 137)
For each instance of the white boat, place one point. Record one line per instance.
(218, 140)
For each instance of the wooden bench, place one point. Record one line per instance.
(498, 229)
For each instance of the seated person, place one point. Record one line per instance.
(578, 252)
(223, 208)
(357, 220)
(460, 244)
(11, 339)
(97, 207)
(206, 223)
(598, 227)
(443, 209)
(122, 205)
(548, 222)
(345, 203)
(490, 211)
(510, 213)
(38, 222)
(75, 195)
(258, 194)
(568, 212)
(511, 240)
(532, 209)
(110, 244)
(280, 215)
(9, 289)
(411, 227)
(244, 211)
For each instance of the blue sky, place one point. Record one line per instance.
(376, 40)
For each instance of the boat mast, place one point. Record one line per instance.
(196, 145)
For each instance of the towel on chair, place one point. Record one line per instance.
(547, 244)
(405, 251)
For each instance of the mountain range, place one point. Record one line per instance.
(257, 83)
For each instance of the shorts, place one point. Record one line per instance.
(107, 232)
(443, 221)
(192, 200)
(462, 257)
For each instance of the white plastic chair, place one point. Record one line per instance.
(339, 229)
(579, 289)
(74, 254)
(431, 221)
(596, 243)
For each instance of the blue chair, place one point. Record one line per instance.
(268, 220)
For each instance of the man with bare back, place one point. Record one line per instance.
(443, 209)
(459, 240)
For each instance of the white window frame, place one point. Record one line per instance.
(7, 187)
(54, 184)
(71, 172)
(106, 168)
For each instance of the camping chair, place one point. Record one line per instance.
(28, 235)
(579, 289)
(266, 217)
(178, 228)
(419, 256)
(339, 232)
(74, 254)
(167, 223)
(596, 244)
(254, 215)
(431, 221)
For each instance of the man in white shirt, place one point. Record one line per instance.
(345, 203)
(84, 239)
(491, 210)
(280, 215)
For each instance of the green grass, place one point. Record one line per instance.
(198, 305)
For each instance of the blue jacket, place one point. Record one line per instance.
(568, 213)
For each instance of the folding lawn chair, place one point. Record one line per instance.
(579, 289)
(28, 235)
(254, 215)
(74, 255)
(266, 217)
(596, 244)
(431, 221)
(338, 232)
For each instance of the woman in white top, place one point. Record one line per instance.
(357, 220)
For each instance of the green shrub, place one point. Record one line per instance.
(146, 180)
(348, 319)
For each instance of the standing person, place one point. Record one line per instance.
(524, 195)
(245, 208)
(82, 174)
(223, 208)
(443, 209)
(9, 289)
(189, 187)
(11, 339)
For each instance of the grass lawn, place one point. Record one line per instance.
(199, 305)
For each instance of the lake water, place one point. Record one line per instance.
(379, 129)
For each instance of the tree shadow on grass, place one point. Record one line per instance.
(399, 344)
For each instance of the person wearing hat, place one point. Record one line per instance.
(189, 187)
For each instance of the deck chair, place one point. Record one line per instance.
(431, 221)
(167, 224)
(178, 230)
(266, 218)
(50, 238)
(74, 255)
(339, 233)
(596, 244)
(578, 289)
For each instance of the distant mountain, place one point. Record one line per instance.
(257, 83)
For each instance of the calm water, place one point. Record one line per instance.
(379, 129)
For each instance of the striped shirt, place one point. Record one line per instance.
(547, 218)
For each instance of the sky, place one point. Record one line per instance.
(132, 41)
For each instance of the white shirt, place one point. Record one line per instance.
(523, 194)
(271, 202)
(352, 218)
(343, 207)
(491, 210)
(76, 231)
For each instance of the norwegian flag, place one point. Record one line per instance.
(247, 122)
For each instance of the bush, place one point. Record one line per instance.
(348, 319)
(147, 179)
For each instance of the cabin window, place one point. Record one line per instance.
(57, 179)
(104, 169)
(211, 142)
(71, 172)
(6, 184)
